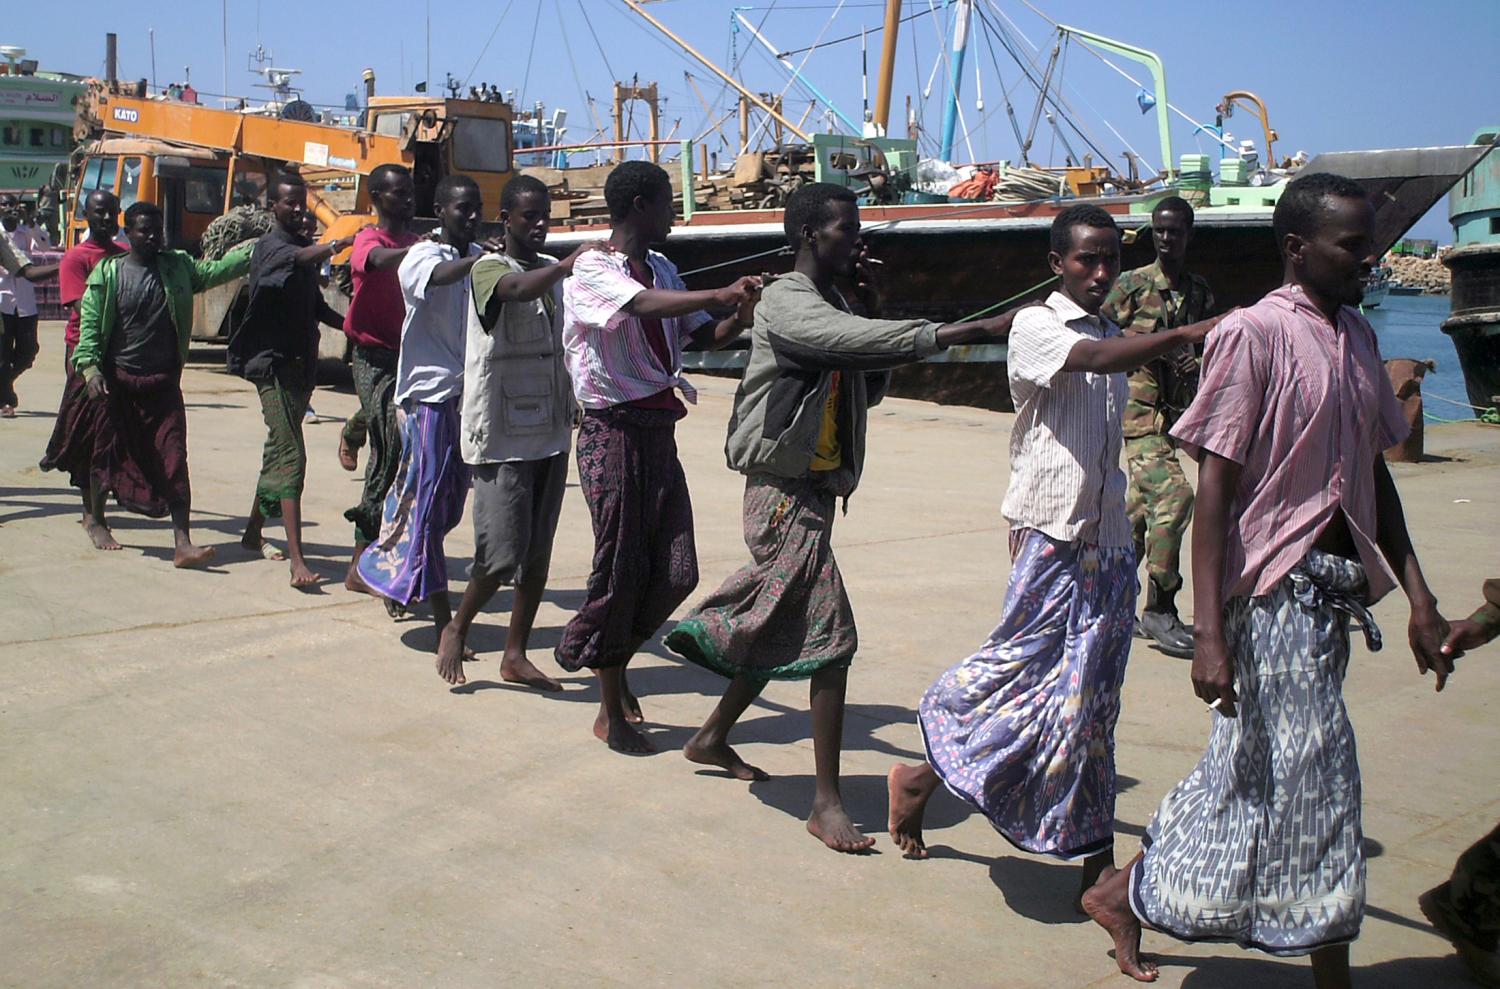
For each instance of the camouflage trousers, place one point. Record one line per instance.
(1160, 505)
(1474, 890)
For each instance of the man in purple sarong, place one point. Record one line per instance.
(1024, 728)
(426, 500)
(627, 316)
(129, 438)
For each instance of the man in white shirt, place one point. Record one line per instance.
(1024, 728)
(426, 501)
(18, 343)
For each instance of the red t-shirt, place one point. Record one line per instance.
(377, 310)
(665, 400)
(73, 275)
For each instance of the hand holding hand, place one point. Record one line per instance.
(1213, 671)
(1463, 635)
(1428, 631)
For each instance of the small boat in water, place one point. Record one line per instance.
(1377, 287)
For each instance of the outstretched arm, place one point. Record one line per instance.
(1128, 352)
(1426, 629)
(664, 303)
(1213, 665)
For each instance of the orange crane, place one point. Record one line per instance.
(197, 162)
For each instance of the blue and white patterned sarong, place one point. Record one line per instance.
(1024, 729)
(425, 502)
(1261, 844)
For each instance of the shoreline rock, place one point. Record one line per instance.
(1428, 274)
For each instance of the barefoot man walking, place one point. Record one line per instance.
(517, 416)
(1260, 845)
(129, 438)
(627, 315)
(797, 433)
(1024, 728)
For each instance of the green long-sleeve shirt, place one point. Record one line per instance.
(181, 275)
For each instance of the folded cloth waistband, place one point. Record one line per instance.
(1325, 580)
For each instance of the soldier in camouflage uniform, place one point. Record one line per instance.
(1160, 296)
(1466, 908)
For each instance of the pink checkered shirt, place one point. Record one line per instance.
(1304, 407)
(609, 358)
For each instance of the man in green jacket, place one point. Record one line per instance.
(135, 320)
(797, 433)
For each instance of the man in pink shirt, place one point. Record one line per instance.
(373, 325)
(1261, 844)
(626, 317)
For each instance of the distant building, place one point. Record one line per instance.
(36, 121)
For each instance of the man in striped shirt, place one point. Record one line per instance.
(1024, 728)
(626, 317)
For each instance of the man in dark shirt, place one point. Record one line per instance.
(276, 347)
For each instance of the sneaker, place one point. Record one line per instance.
(1167, 630)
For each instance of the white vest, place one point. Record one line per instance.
(517, 400)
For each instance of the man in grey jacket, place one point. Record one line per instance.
(797, 433)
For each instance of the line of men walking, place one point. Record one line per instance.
(1299, 526)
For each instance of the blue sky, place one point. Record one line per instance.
(1336, 75)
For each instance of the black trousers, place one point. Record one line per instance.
(18, 349)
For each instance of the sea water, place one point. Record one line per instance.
(1409, 326)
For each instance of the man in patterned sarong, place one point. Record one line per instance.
(626, 317)
(373, 326)
(426, 497)
(1024, 728)
(797, 433)
(1260, 845)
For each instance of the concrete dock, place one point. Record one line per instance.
(212, 779)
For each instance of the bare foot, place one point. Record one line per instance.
(621, 736)
(1112, 914)
(190, 557)
(721, 755)
(909, 790)
(302, 576)
(100, 535)
(519, 669)
(1096, 869)
(832, 827)
(353, 581)
(394, 609)
(450, 658)
(630, 704)
(348, 459)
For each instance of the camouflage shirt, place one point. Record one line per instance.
(1142, 301)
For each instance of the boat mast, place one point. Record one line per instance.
(887, 66)
(1153, 62)
(955, 76)
(726, 77)
(797, 76)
